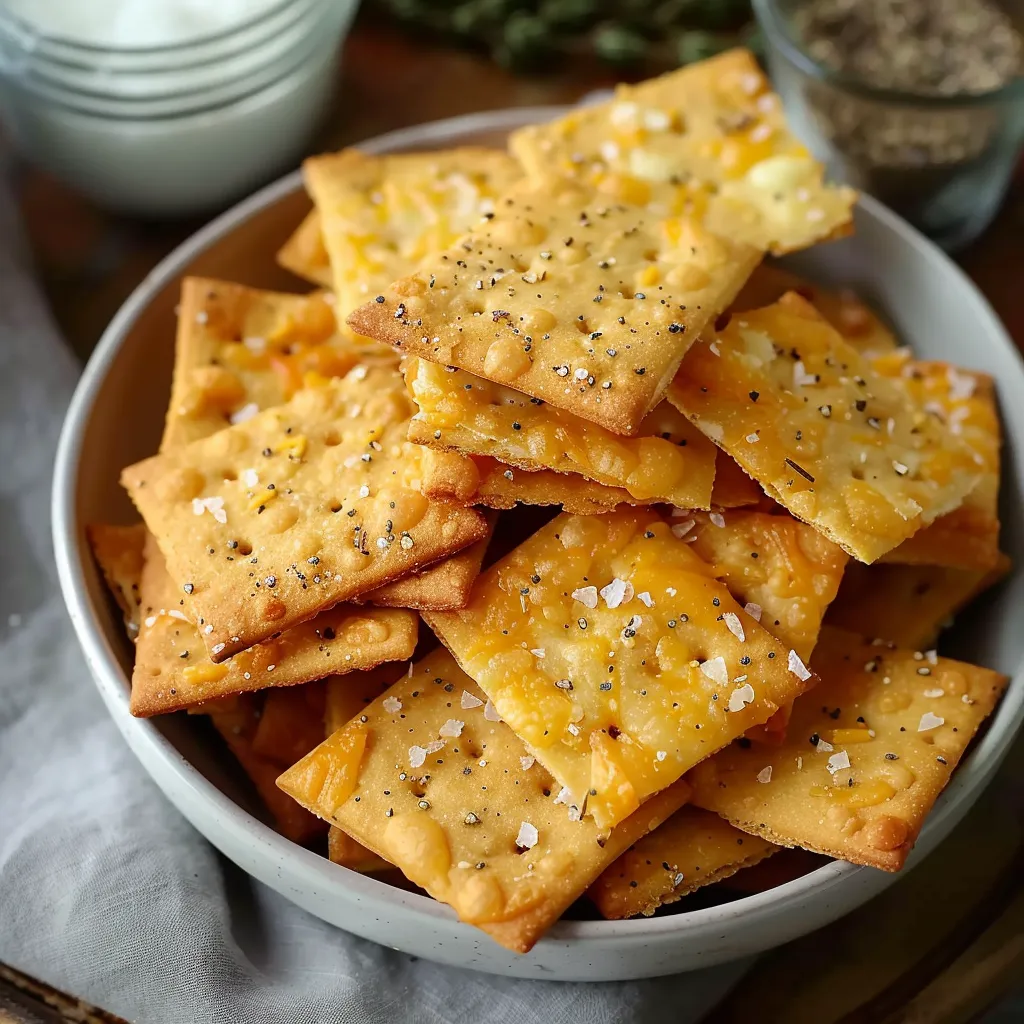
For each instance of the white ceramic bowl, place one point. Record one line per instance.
(116, 417)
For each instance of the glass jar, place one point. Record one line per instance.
(173, 129)
(942, 162)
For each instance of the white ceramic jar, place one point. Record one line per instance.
(176, 127)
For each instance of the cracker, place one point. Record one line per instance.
(692, 849)
(710, 137)
(586, 304)
(428, 779)
(380, 215)
(733, 488)
(291, 723)
(441, 587)
(305, 505)
(670, 460)
(173, 671)
(967, 537)
(866, 756)
(842, 308)
(617, 694)
(241, 349)
(907, 604)
(838, 445)
(118, 550)
(305, 254)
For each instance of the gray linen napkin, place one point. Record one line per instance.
(105, 891)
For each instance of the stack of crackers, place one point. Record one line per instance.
(710, 638)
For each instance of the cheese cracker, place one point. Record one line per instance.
(429, 779)
(733, 488)
(670, 460)
(118, 550)
(268, 522)
(711, 138)
(842, 308)
(305, 254)
(173, 669)
(827, 437)
(692, 849)
(610, 649)
(380, 215)
(866, 756)
(907, 604)
(567, 297)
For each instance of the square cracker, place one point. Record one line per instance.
(670, 460)
(119, 552)
(866, 756)
(242, 349)
(173, 670)
(843, 309)
(838, 445)
(967, 537)
(906, 604)
(609, 648)
(301, 507)
(586, 304)
(692, 849)
(710, 138)
(305, 254)
(429, 778)
(380, 215)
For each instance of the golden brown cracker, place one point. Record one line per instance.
(609, 648)
(173, 670)
(838, 445)
(692, 849)
(584, 303)
(710, 138)
(305, 254)
(428, 778)
(118, 550)
(733, 488)
(866, 755)
(381, 215)
(669, 460)
(305, 505)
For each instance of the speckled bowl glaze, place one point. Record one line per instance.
(116, 416)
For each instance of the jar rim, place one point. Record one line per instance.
(780, 35)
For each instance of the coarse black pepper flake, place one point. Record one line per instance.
(754, 395)
(892, 757)
(379, 299)
(803, 472)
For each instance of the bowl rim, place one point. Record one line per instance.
(72, 553)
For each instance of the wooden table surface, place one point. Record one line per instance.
(940, 947)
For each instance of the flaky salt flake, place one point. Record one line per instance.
(469, 701)
(617, 592)
(932, 657)
(250, 477)
(538, 652)
(587, 596)
(563, 796)
(217, 648)
(417, 755)
(961, 385)
(392, 705)
(823, 746)
(797, 667)
(837, 761)
(714, 349)
(434, 746)
(661, 754)
(527, 762)
(528, 836)
(741, 697)
(198, 508)
(732, 620)
(452, 729)
(765, 774)
(801, 378)
(717, 519)
(753, 610)
(716, 671)
(752, 438)
(935, 691)
(149, 622)
(573, 728)
(680, 530)
(929, 721)
(491, 713)
(645, 598)
(245, 413)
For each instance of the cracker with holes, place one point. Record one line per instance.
(692, 849)
(907, 605)
(611, 650)
(173, 669)
(670, 460)
(119, 552)
(866, 755)
(710, 138)
(842, 308)
(381, 215)
(831, 440)
(240, 350)
(567, 297)
(430, 779)
(967, 537)
(305, 254)
(305, 505)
